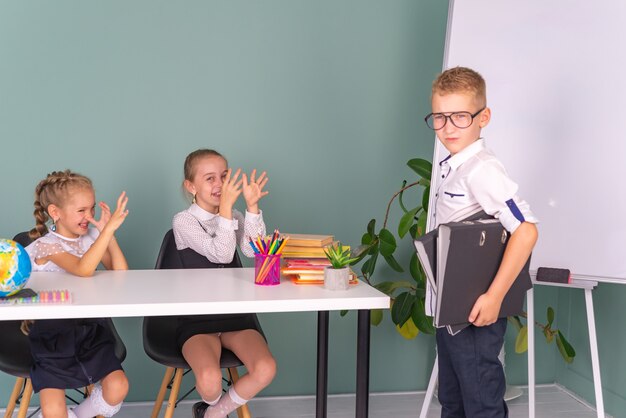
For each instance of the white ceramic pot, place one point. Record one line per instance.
(336, 279)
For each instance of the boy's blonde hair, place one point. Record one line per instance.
(461, 80)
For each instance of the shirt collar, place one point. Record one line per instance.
(62, 237)
(465, 154)
(200, 213)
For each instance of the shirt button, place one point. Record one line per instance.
(442, 176)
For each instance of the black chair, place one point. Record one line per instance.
(16, 359)
(159, 333)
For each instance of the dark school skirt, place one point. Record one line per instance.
(188, 326)
(71, 353)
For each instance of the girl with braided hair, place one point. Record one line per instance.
(73, 353)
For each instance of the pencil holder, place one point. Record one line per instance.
(267, 269)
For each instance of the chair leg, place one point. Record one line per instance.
(171, 404)
(242, 411)
(28, 391)
(161, 396)
(19, 383)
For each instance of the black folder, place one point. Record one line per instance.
(469, 254)
(426, 248)
(460, 260)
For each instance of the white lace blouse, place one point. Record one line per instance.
(53, 243)
(216, 237)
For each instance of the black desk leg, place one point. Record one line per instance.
(363, 364)
(321, 394)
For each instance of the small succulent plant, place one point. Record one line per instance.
(339, 256)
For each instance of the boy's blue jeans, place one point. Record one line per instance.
(471, 377)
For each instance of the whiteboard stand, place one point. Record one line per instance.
(430, 391)
(577, 283)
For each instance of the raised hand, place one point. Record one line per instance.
(231, 189)
(253, 190)
(112, 220)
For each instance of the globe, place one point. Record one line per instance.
(15, 267)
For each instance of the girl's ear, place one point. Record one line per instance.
(191, 189)
(53, 212)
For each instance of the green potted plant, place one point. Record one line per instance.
(337, 275)
(408, 293)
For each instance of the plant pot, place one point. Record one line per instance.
(336, 279)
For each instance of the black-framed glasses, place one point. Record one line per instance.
(461, 120)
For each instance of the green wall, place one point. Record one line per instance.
(327, 96)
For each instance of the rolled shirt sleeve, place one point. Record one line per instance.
(496, 193)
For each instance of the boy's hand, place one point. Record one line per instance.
(253, 190)
(108, 219)
(485, 310)
(231, 189)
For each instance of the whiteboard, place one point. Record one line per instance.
(556, 85)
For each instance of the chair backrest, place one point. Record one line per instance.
(23, 239)
(15, 357)
(172, 258)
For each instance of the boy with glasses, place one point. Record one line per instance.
(471, 377)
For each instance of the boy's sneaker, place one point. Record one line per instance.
(199, 408)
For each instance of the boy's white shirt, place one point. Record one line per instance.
(470, 181)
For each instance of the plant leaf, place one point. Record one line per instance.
(367, 239)
(421, 223)
(371, 225)
(418, 315)
(415, 270)
(521, 342)
(413, 231)
(422, 167)
(406, 222)
(344, 312)
(401, 309)
(408, 330)
(376, 317)
(385, 287)
(368, 267)
(550, 316)
(375, 246)
(567, 351)
(393, 263)
(389, 287)
(425, 198)
(387, 242)
(361, 251)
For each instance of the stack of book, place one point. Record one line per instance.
(460, 260)
(305, 260)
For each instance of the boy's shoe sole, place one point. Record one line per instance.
(199, 408)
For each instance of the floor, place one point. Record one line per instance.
(552, 401)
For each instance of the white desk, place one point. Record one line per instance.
(209, 291)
